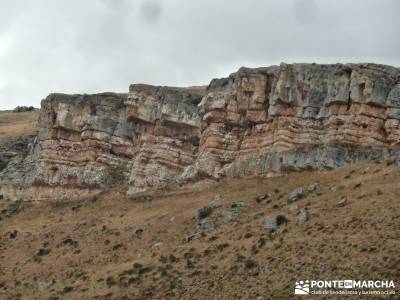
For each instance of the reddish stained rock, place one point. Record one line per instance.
(287, 117)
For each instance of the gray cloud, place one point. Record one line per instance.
(150, 10)
(79, 46)
(306, 11)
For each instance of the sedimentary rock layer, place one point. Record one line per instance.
(299, 116)
(279, 118)
(142, 138)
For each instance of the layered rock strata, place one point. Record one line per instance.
(300, 116)
(143, 138)
(279, 118)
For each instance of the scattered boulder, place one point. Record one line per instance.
(205, 225)
(231, 216)
(342, 202)
(215, 202)
(233, 213)
(272, 223)
(265, 198)
(157, 245)
(303, 216)
(44, 285)
(137, 232)
(296, 195)
(333, 188)
(313, 187)
(188, 238)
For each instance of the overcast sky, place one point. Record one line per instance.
(78, 46)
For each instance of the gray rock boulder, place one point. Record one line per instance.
(231, 216)
(137, 232)
(273, 223)
(233, 213)
(303, 216)
(44, 285)
(295, 195)
(342, 202)
(313, 187)
(215, 202)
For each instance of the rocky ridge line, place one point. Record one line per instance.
(256, 121)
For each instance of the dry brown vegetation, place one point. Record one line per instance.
(15, 125)
(150, 246)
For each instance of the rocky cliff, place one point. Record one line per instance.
(141, 139)
(256, 121)
(299, 116)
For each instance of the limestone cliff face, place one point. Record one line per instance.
(141, 139)
(279, 118)
(166, 134)
(301, 116)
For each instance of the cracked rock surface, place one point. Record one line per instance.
(256, 121)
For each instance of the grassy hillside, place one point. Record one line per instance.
(15, 125)
(152, 246)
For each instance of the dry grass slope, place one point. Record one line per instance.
(150, 247)
(15, 125)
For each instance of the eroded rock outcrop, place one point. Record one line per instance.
(166, 132)
(11, 149)
(279, 118)
(141, 139)
(300, 116)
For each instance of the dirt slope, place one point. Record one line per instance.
(116, 247)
